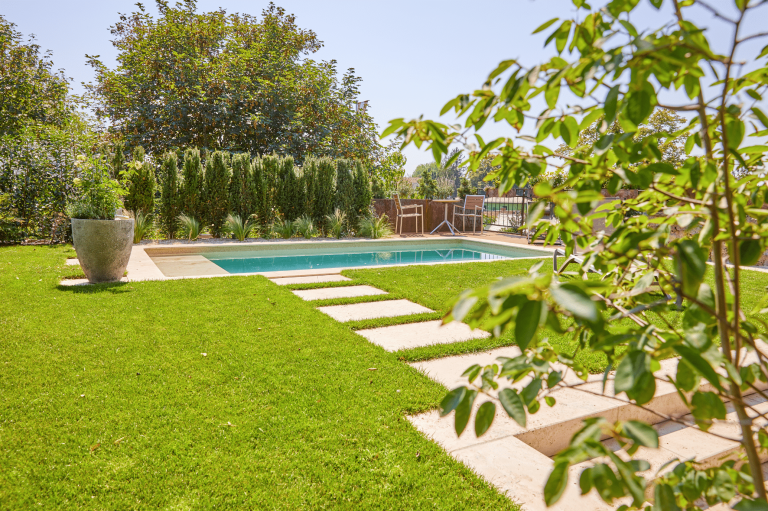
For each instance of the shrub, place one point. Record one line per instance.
(309, 175)
(363, 195)
(141, 184)
(305, 226)
(375, 228)
(169, 198)
(261, 205)
(240, 228)
(142, 224)
(345, 191)
(191, 226)
(465, 189)
(323, 192)
(241, 196)
(191, 192)
(335, 223)
(271, 170)
(427, 186)
(215, 193)
(284, 228)
(97, 196)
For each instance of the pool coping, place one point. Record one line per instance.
(142, 267)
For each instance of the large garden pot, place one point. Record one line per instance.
(103, 247)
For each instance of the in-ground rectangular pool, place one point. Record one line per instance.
(309, 256)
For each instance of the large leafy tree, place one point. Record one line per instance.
(232, 82)
(32, 92)
(614, 308)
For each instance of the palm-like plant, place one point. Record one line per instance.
(240, 228)
(376, 228)
(335, 223)
(285, 229)
(141, 225)
(305, 226)
(191, 226)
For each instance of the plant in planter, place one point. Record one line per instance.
(103, 244)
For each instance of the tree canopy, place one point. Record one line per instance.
(232, 82)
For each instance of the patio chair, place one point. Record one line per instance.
(472, 208)
(405, 212)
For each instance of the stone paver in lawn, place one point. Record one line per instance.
(328, 293)
(73, 262)
(427, 333)
(312, 279)
(372, 310)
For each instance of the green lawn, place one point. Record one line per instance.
(107, 401)
(435, 286)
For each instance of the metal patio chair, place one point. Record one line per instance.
(472, 208)
(404, 212)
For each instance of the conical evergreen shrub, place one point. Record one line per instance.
(345, 191)
(141, 184)
(191, 192)
(363, 193)
(215, 191)
(241, 187)
(169, 196)
(323, 191)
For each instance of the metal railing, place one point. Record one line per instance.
(505, 213)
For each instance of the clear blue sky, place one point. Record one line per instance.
(413, 55)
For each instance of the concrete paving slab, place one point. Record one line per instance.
(312, 279)
(81, 282)
(187, 265)
(72, 262)
(328, 293)
(427, 333)
(373, 310)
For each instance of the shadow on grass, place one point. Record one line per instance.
(106, 287)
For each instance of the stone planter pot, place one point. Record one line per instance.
(103, 247)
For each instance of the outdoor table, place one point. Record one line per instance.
(445, 221)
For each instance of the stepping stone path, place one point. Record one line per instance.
(373, 310)
(517, 460)
(427, 333)
(328, 293)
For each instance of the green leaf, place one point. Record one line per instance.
(545, 25)
(687, 378)
(530, 392)
(702, 366)
(556, 483)
(724, 486)
(751, 505)
(550, 401)
(463, 411)
(750, 252)
(573, 130)
(662, 168)
(734, 128)
(604, 143)
(484, 418)
(573, 299)
(527, 323)
(664, 498)
(610, 104)
(513, 405)
(691, 266)
(630, 370)
(641, 433)
(760, 115)
(452, 400)
(562, 36)
(707, 406)
(656, 3)
(551, 95)
(639, 106)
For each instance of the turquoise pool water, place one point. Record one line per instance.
(309, 259)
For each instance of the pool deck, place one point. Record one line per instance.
(177, 259)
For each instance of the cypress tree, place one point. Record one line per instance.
(215, 191)
(271, 172)
(141, 184)
(118, 160)
(169, 199)
(309, 173)
(299, 194)
(287, 188)
(262, 206)
(323, 192)
(192, 186)
(363, 193)
(241, 187)
(345, 191)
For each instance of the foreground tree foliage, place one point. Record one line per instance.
(232, 82)
(716, 198)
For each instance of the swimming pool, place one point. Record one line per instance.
(322, 258)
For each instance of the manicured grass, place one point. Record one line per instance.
(436, 286)
(107, 401)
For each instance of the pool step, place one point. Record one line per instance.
(427, 333)
(328, 293)
(373, 310)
